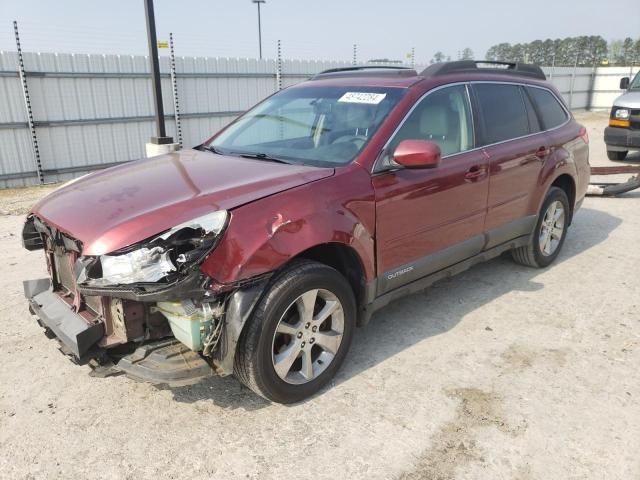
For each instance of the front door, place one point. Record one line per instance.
(429, 219)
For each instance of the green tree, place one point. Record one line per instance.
(595, 50)
(583, 51)
(467, 54)
(628, 50)
(536, 52)
(548, 52)
(569, 51)
(437, 57)
(616, 56)
(518, 53)
(499, 53)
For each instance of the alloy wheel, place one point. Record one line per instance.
(308, 336)
(552, 228)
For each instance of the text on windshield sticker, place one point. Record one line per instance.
(362, 97)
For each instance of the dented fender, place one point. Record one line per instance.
(259, 240)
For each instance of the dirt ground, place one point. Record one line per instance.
(500, 372)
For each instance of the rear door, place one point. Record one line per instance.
(429, 219)
(517, 148)
(554, 118)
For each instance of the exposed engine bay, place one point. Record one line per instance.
(145, 310)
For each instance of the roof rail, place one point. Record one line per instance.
(379, 70)
(468, 66)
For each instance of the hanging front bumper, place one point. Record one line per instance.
(77, 334)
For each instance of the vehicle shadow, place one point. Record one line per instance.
(226, 392)
(406, 321)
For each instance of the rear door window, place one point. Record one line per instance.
(534, 123)
(503, 112)
(551, 112)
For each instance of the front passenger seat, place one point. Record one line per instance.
(435, 125)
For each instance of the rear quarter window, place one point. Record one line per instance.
(551, 112)
(503, 112)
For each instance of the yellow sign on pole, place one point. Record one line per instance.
(163, 44)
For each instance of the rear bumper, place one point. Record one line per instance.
(75, 333)
(621, 138)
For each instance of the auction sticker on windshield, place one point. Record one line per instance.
(362, 97)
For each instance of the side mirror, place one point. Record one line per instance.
(624, 83)
(417, 154)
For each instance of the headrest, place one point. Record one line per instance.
(434, 121)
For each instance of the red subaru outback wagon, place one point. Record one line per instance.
(258, 252)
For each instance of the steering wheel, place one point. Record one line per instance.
(357, 140)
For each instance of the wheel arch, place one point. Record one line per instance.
(343, 258)
(566, 183)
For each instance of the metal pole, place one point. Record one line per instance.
(413, 57)
(155, 75)
(355, 54)
(279, 67)
(259, 32)
(573, 80)
(258, 2)
(174, 85)
(27, 104)
(592, 85)
(553, 66)
(279, 82)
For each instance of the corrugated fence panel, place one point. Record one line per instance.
(95, 110)
(16, 155)
(607, 85)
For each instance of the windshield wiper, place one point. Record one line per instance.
(210, 148)
(261, 156)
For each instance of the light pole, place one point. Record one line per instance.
(160, 143)
(258, 2)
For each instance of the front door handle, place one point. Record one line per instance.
(475, 173)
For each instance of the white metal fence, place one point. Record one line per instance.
(92, 111)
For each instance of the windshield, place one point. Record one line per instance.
(635, 84)
(321, 126)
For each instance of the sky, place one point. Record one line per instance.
(310, 29)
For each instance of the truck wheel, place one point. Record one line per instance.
(616, 155)
(298, 334)
(548, 236)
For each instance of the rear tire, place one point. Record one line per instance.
(616, 155)
(549, 234)
(299, 333)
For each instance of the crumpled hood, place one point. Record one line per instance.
(119, 206)
(629, 99)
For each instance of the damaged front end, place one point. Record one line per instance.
(145, 310)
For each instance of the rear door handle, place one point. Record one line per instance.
(475, 173)
(542, 152)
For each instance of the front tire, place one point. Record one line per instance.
(299, 333)
(616, 155)
(549, 234)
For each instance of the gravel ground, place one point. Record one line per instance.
(500, 372)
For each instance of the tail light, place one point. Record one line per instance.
(584, 135)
